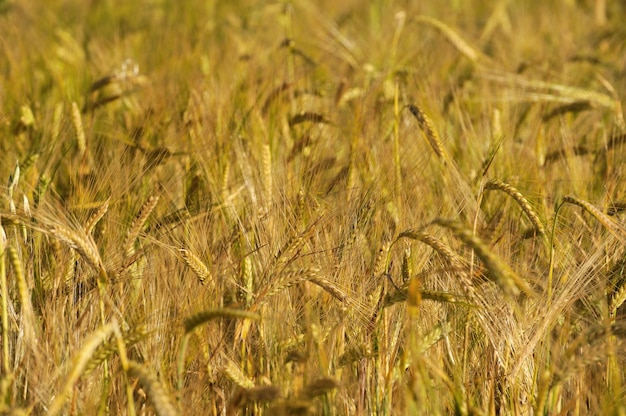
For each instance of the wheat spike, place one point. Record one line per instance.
(77, 122)
(197, 265)
(80, 363)
(28, 315)
(382, 260)
(433, 336)
(266, 163)
(426, 125)
(497, 270)
(262, 394)
(453, 37)
(329, 287)
(109, 348)
(495, 184)
(203, 317)
(235, 375)
(96, 217)
(458, 264)
(613, 227)
(82, 244)
(320, 387)
(137, 225)
(162, 402)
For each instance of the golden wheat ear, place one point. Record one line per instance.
(497, 270)
(428, 128)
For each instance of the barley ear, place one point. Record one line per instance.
(96, 217)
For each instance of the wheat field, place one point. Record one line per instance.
(327, 208)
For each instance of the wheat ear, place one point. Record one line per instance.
(28, 315)
(497, 270)
(96, 217)
(162, 402)
(197, 265)
(203, 317)
(458, 264)
(137, 225)
(80, 363)
(495, 184)
(453, 37)
(613, 227)
(77, 122)
(427, 127)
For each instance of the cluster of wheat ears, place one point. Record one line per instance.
(288, 208)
